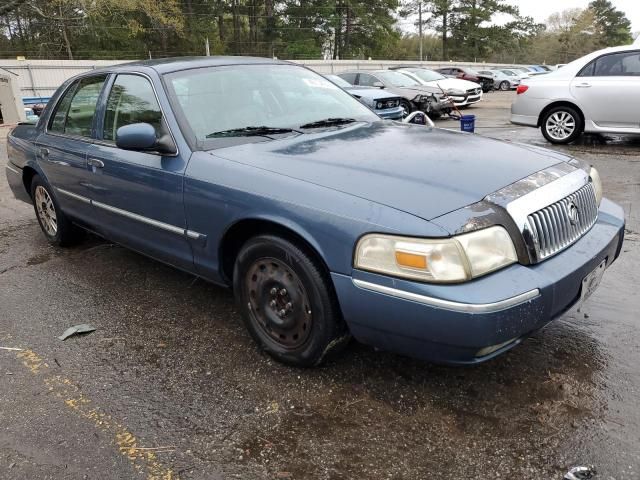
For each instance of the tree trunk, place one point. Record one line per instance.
(235, 12)
(67, 43)
(220, 13)
(445, 54)
(269, 34)
(347, 36)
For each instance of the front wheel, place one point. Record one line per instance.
(407, 106)
(287, 302)
(562, 125)
(55, 225)
(504, 86)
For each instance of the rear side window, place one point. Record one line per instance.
(132, 100)
(623, 64)
(74, 113)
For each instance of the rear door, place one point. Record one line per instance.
(608, 90)
(137, 195)
(62, 147)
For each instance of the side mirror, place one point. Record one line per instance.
(142, 137)
(378, 84)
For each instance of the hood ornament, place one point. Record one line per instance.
(573, 213)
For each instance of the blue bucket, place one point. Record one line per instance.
(468, 123)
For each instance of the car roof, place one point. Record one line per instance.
(166, 65)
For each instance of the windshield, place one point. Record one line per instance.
(338, 81)
(428, 75)
(397, 79)
(218, 99)
(508, 72)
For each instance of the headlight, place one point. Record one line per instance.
(455, 93)
(379, 105)
(597, 184)
(445, 260)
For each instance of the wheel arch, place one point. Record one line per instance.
(237, 234)
(28, 172)
(561, 103)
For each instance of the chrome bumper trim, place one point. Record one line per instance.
(133, 216)
(448, 304)
(12, 170)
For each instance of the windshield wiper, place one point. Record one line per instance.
(328, 122)
(251, 132)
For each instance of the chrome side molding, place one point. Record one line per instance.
(448, 304)
(133, 216)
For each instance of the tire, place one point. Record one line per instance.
(562, 125)
(287, 302)
(505, 86)
(55, 225)
(407, 105)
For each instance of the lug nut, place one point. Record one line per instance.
(273, 291)
(283, 292)
(281, 313)
(289, 306)
(272, 303)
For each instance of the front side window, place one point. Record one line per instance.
(74, 113)
(428, 75)
(397, 79)
(349, 77)
(131, 100)
(624, 64)
(219, 99)
(367, 80)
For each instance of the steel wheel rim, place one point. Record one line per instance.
(278, 303)
(560, 125)
(46, 211)
(504, 86)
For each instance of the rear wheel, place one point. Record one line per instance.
(562, 125)
(504, 86)
(55, 225)
(287, 302)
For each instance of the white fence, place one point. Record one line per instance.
(40, 78)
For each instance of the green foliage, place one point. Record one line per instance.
(483, 30)
(611, 25)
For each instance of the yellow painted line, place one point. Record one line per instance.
(142, 459)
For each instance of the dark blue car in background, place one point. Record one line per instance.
(386, 105)
(326, 221)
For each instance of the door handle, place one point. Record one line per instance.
(94, 162)
(583, 85)
(44, 153)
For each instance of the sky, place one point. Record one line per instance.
(541, 9)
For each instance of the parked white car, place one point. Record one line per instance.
(461, 92)
(598, 93)
(512, 72)
(502, 81)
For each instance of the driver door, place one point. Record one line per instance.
(137, 195)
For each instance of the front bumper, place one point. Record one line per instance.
(396, 113)
(453, 324)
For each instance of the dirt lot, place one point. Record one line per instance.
(171, 386)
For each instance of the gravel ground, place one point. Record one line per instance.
(171, 386)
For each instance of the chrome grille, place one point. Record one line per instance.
(559, 225)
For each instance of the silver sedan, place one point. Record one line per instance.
(597, 93)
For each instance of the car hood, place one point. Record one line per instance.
(371, 93)
(423, 171)
(454, 84)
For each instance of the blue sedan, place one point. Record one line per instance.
(326, 221)
(386, 105)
